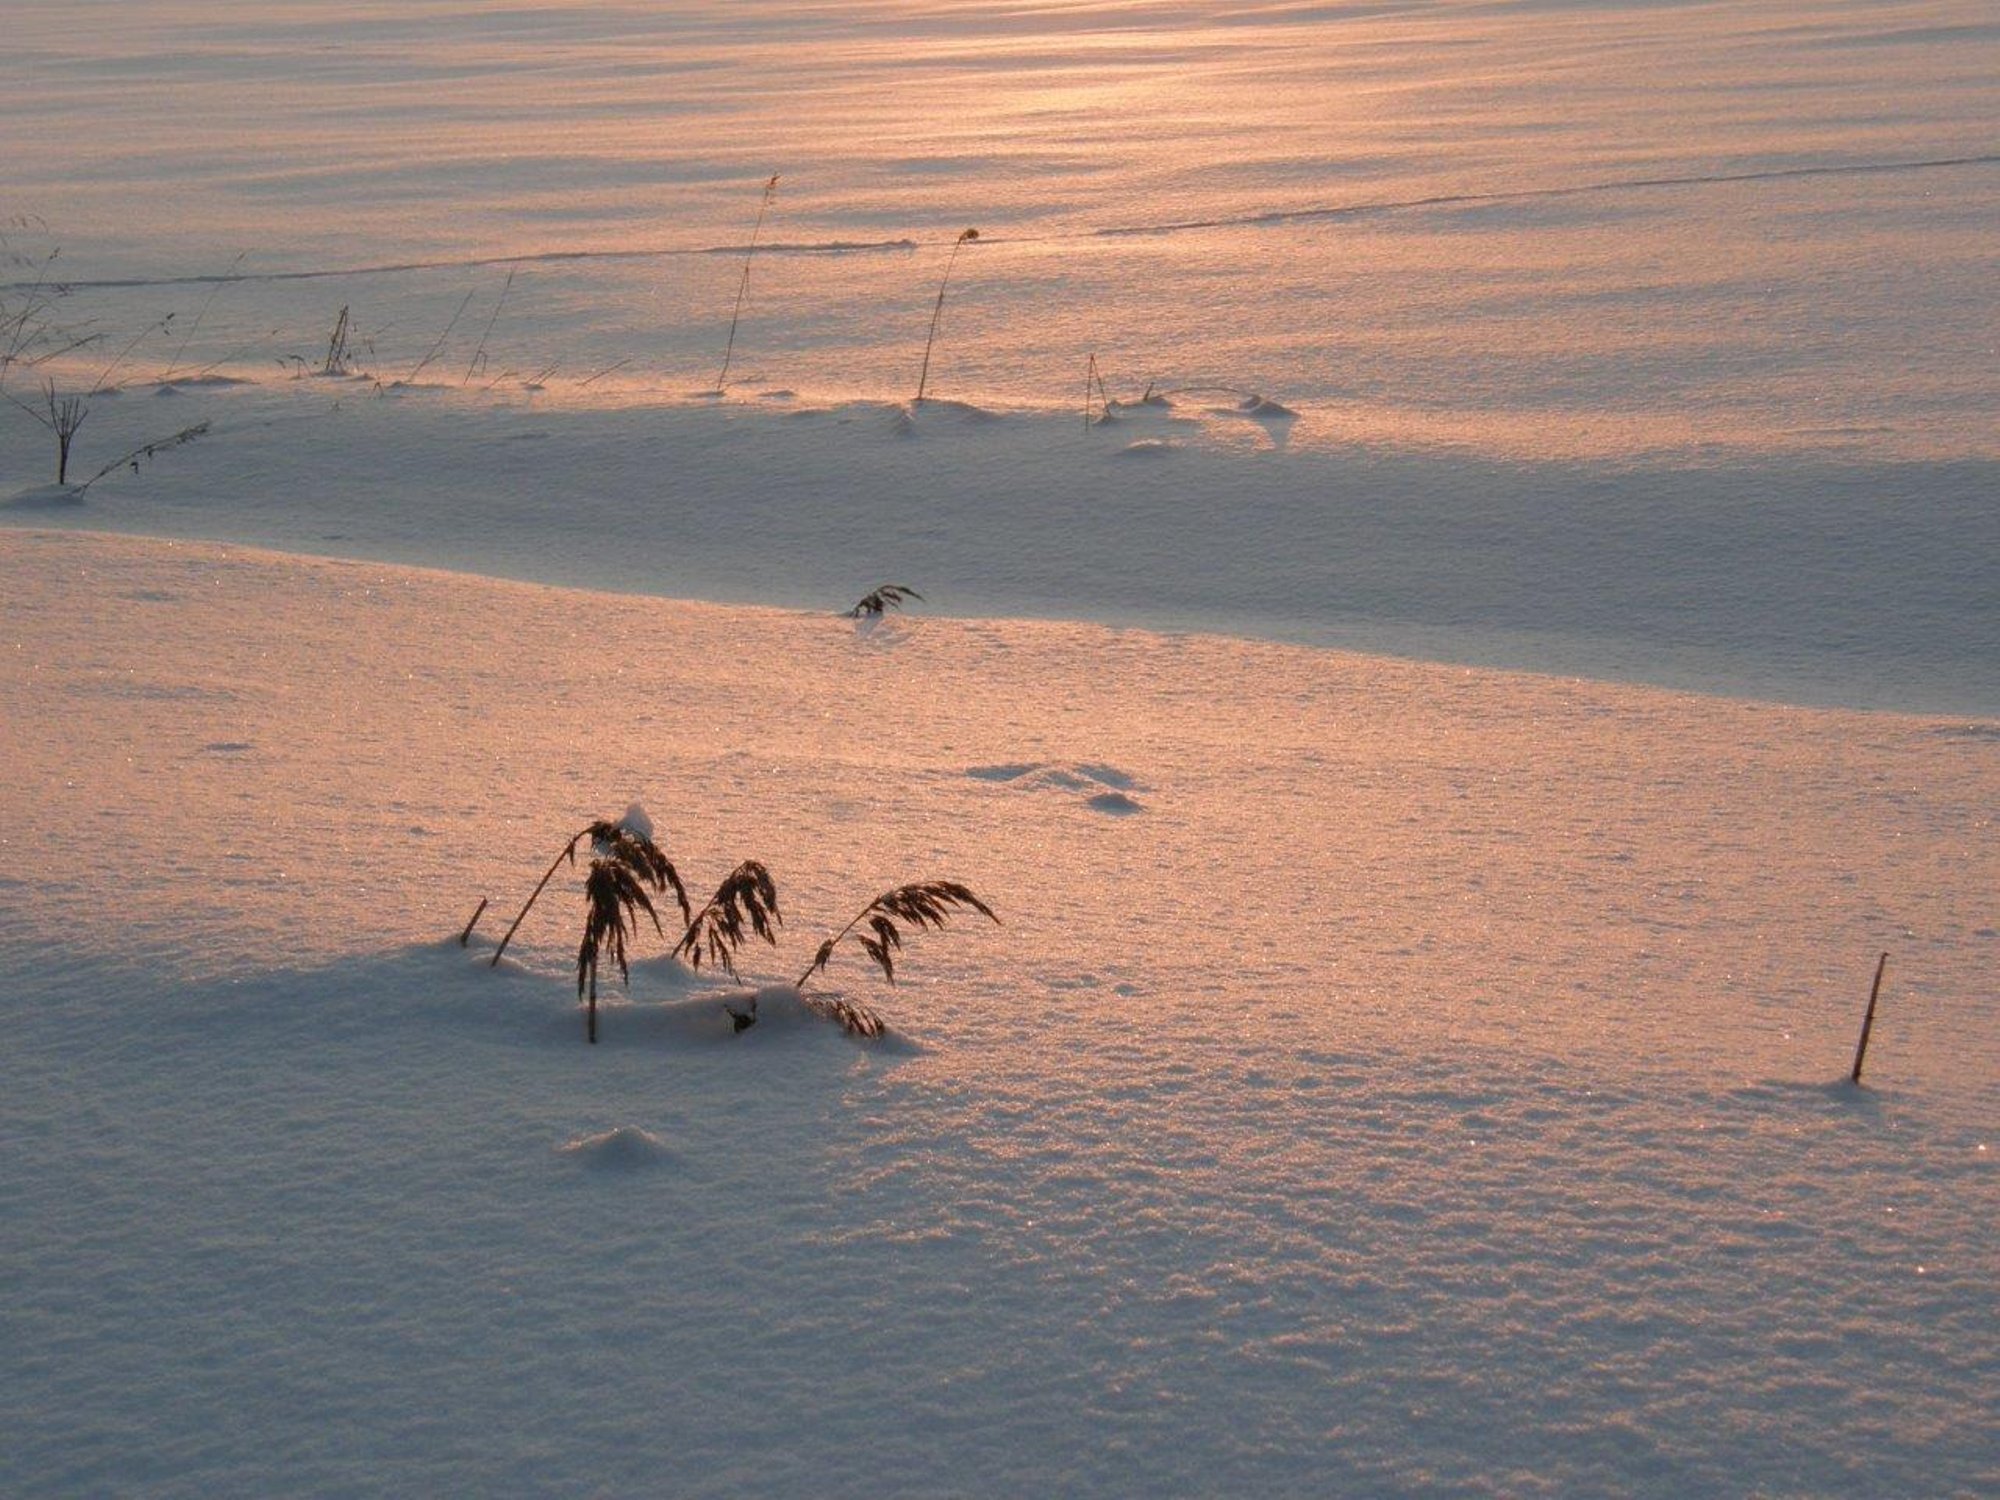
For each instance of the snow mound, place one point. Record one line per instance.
(623, 1148)
(1115, 803)
(45, 497)
(1264, 407)
(772, 1004)
(211, 381)
(1151, 401)
(1149, 448)
(965, 411)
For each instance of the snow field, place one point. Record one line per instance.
(1397, 1074)
(1406, 1100)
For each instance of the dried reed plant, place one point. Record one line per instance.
(925, 904)
(745, 903)
(614, 893)
(615, 842)
(937, 312)
(888, 596)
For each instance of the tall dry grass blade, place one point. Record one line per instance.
(225, 279)
(479, 353)
(743, 286)
(423, 363)
(937, 312)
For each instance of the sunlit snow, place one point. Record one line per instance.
(1447, 725)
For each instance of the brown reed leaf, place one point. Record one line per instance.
(745, 904)
(614, 843)
(851, 1016)
(613, 896)
(926, 903)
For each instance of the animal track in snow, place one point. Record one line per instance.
(1104, 789)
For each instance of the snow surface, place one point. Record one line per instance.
(1434, 1090)
(1446, 758)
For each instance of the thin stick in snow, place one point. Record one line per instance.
(1868, 1021)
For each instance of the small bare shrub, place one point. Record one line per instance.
(63, 416)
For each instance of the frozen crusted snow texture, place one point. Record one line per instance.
(1419, 1099)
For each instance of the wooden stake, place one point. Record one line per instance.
(466, 936)
(1868, 1021)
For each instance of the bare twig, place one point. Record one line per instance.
(65, 416)
(145, 451)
